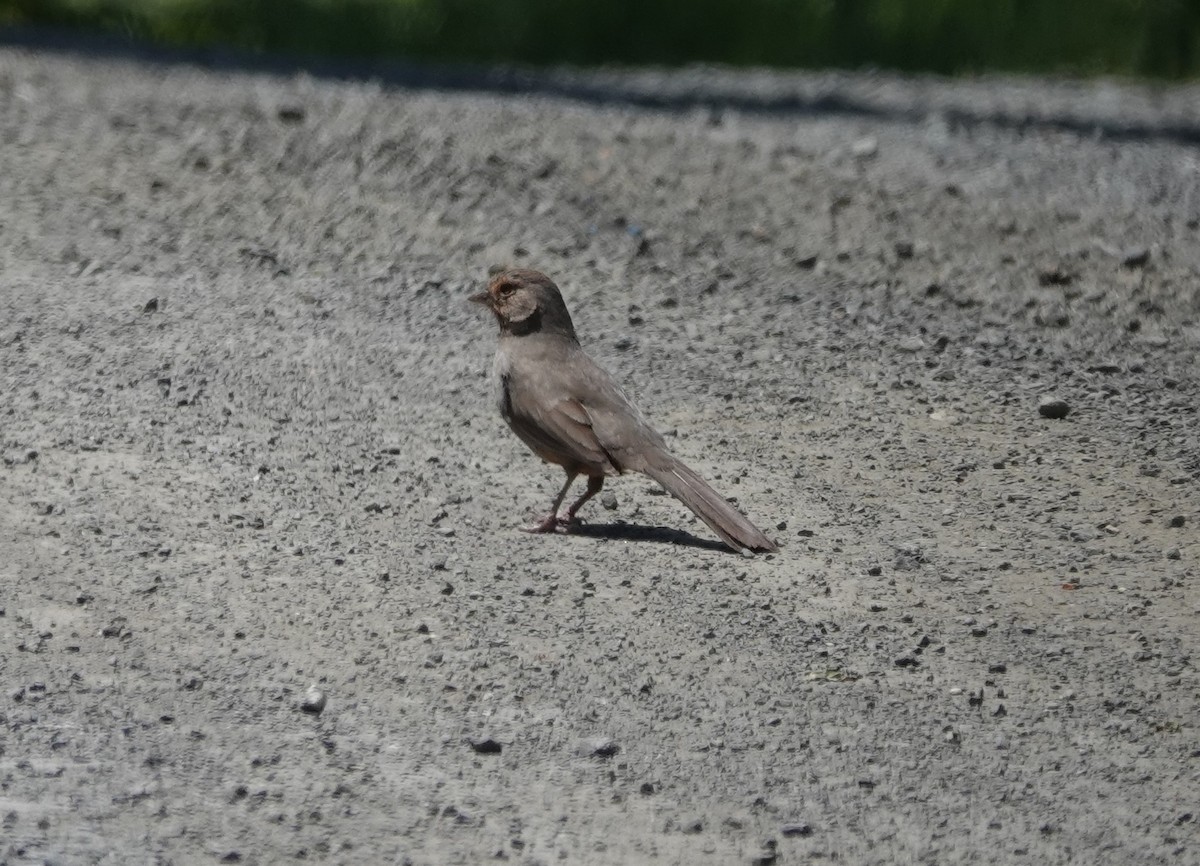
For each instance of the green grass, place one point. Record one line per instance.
(1155, 38)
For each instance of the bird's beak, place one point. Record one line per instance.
(481, 298)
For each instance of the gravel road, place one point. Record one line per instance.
(262, 596)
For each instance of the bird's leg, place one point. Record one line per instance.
(550, 522)
(595, 484)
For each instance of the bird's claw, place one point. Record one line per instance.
(549, 523)
(552, 523)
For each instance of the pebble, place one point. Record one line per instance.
(796, 828)
(485, 745)
(313, 701)
(1054, 408)
(1055, 275)
(609, 501)
(766, 857)
(911, 344)
(17, 458)
(1178, 521)
(1082, 533)
(1135, 257)
(866, 147)
(597, 747)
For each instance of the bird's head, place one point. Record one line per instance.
(525, 302)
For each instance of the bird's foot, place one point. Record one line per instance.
(548, 523)
(566, 524)
(553, 523)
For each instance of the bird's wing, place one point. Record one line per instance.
(559, 431)
(619, 427)
(569, 411)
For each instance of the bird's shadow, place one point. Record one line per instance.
(635, 532)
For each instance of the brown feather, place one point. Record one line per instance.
(570, 412)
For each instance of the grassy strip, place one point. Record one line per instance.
(1158, 38)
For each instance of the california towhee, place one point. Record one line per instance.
(570, 412)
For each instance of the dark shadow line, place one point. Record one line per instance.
(635, 532)
(509, 80)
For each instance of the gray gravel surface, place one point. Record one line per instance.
(262, 597)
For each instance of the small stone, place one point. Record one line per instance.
(797, 828)
(608, 500)
(597, 747)
(485, 745)
(1178, 521)
(313, 701)
(865, 148)
(151, 306)
(1082, 534)
(1055, 275)
(911, 344)
(1054, 408)
(1135, 257)
(291, 114)
(904, 249)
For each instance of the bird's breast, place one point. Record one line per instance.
(502, 384)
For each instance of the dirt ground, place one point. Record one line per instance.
(249, 449)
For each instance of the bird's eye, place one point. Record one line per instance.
(507, 289)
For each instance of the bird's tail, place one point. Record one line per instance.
(693, 491)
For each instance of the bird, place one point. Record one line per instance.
(571, 413)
